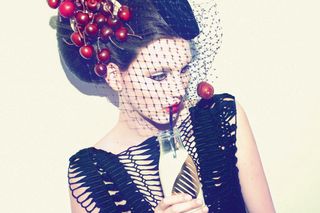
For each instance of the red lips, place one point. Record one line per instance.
(175, 108)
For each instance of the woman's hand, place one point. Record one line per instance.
(180, 203)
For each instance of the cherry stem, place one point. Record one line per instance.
(104, 4)
(115, 44)
(83, 4)
(82, 35)
(134, 35)
(67, 42)
(98, 44)
(130, 28)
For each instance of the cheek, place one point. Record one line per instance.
(185, 78)
(145, 94)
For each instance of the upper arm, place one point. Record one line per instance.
(253, 182)
(75, 206)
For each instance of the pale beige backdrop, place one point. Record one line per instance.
(269, 60)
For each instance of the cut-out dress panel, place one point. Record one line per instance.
(129, 181)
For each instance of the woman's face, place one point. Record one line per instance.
(157, 79)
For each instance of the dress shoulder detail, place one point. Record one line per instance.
(86, 183)
(214, 127)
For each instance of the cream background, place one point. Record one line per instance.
(269, 61)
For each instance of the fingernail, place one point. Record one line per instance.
(205, 209)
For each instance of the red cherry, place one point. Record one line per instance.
(66, 9)
(91, 30)
(100, 19)
(113, 22)
(107, 8)
(103, 55)
(100, 70)
(124, 13)
(76, 39)
(86, 51)
(105, 33)
(121, 34)
(82, 18)
(92, 5)
(54, 4)
(205, 90)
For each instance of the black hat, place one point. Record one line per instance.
(179, 16)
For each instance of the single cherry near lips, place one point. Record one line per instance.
(54, 4)
(66, 9)
(86, 51)
(205, 90)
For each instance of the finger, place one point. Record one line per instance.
(193, 205)
(204, 209)
(174, 199)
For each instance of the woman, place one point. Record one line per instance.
(148, 72)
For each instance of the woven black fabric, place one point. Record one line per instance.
(129, 181)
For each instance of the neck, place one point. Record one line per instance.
(132, 129)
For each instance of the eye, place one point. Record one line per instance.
(185, 69)
(159, 76)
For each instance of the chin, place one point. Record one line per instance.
(161, 122)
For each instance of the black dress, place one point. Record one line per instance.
(129, 181)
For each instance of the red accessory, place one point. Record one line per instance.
(66, 9)
(95, 19)
(205, 90)
(54, 4)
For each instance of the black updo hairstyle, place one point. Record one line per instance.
(148, 21)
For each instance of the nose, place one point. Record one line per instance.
(177, 86)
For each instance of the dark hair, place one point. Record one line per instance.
(146, 22)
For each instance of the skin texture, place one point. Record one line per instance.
(136, 111)
(157, 78)
(253, 182)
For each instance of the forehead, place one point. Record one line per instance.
(164, 52)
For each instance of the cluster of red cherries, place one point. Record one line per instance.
(94, 20)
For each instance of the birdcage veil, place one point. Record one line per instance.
(161, 40)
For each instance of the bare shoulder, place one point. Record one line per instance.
(253, 182)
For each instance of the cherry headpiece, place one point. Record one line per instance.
(100, 20)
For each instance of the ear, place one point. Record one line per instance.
(113, 77)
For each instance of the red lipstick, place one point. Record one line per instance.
(175, 108)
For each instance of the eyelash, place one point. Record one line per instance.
(163, 75)
(159, 76)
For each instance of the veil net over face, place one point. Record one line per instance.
(170, 50)
(157, 79)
